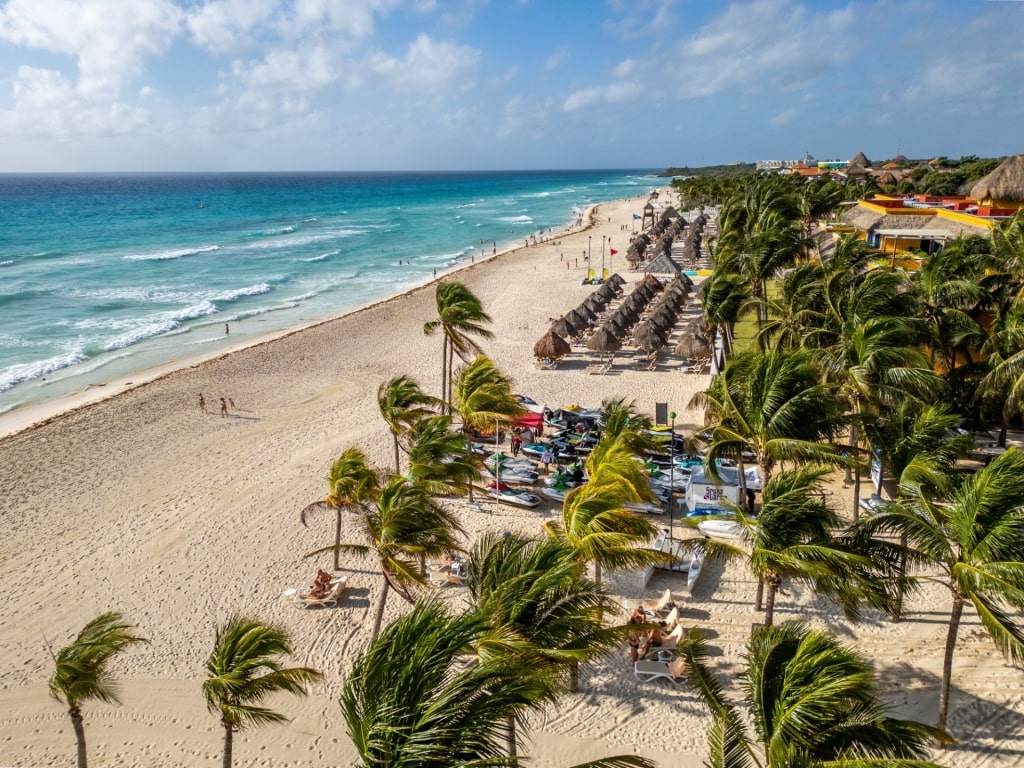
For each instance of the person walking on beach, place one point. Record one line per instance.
(202, 403)
(223, 407)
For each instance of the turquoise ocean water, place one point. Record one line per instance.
(102, 276)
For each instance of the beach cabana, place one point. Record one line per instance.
(648, 338)
(551, 346)
(595, 304)
(586, 312)
(617, 279)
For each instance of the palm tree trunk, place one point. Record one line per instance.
(228, 730)
(947, 660)
(900, 587)
(769, 603)
(379, 617)
(444, 369)
(398, 468)
(759, 597)
(79, 727)
(512, 753)
(597, 570)
(337, 540)
(574, 676)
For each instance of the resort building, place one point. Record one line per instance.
(900, 224)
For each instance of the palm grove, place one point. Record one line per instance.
(848, 358)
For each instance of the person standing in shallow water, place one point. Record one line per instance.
(227, 329)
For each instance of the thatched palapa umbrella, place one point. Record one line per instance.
(550, 346)
(577, 318)
(604, 340)
(647, 338)
(594, 303)
(653, 282)
(586, 312)
(693, 345)
(616, 325)
(607, 291)
(617, 279)
(562, 327)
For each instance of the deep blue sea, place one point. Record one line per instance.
(105, 275)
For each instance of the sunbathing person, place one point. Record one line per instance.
(636, 635)
(323, 579)
(654, 639)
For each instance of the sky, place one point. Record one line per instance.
(250, 85)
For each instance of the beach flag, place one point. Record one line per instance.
(612, 251)
(590, 275)
(637, 216)
(604, 274)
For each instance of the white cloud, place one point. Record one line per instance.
(785, 117)
(110, 39)
(307, 69)
(228, 25)
(427, 66)
(554, 61)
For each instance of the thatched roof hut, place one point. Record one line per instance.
(550, 346)
(693, 345)
(648, 338)
(860, 159)
(662, 265)
(604, 340)
(1004, 187)
(617, 279)
(578, 319)
(565, 329)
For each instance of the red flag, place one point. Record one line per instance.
(612, 251)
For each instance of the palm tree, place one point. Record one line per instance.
(540, 609)
(245, 669)
(596, 525)
(811, 702)
(412, 701)
(402, 403)
(460, 315)
(773, 405)
(437, 457)
(724, 295)
(81, 671)
(795, 538)
(352, 483)
(402, 525)
(483, 399)
(975, 536)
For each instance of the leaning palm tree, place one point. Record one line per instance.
(402, 403)
(540, 609)
(796, 538)
(411, 699)
(437, 457)
(352, 484)
(975, 536)
(811, 702)
(596, 525)
(773, 405)
(244, 669)
(483, 399)
(460, 315)
(402, 525)
(81, 671)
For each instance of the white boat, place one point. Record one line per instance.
(513, 462)
(512, 496)
(513, 475)
(556, 492)
(645, 506)
(723, 529)
(693, 572)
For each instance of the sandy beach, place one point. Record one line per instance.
(141, 503)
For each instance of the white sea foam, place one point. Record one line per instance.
(252, 290)
(517, 219)
(158, 325)
(36, 369)
(303, 297)
(323, 256)
(5, 263)
(168, 255)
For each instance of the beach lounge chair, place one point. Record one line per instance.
(330, 600)
(672, 619)
(645, 671)
(661, 602)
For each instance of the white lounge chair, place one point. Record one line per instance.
(330, 600)
(645, 671)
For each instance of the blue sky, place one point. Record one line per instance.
(212, 85)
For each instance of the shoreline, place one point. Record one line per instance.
(27, 417)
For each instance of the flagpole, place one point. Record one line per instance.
(602, 256)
